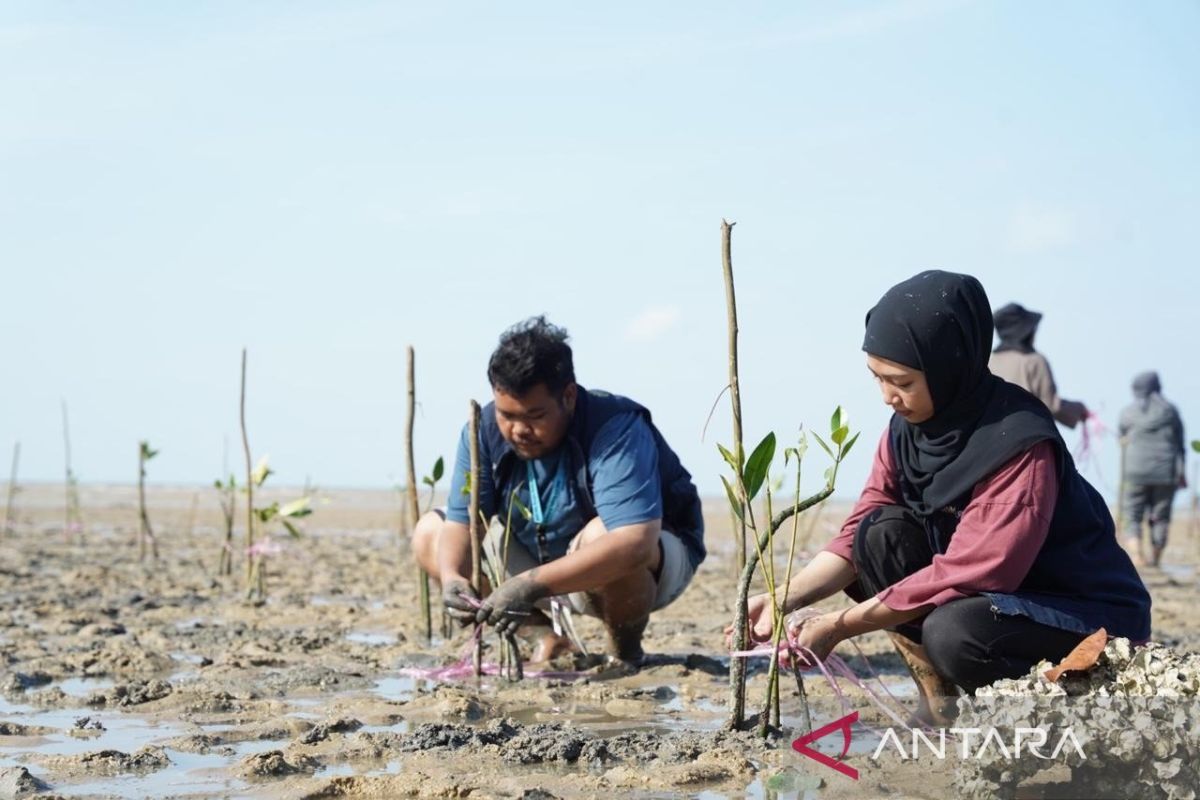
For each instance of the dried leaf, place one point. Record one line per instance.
(1082, 658)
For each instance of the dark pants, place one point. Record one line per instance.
(1154, 501)
(967, 642)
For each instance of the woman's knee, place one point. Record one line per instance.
(948, 641)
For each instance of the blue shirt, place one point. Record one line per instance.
(623, 470)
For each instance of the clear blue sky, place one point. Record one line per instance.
(326, 183)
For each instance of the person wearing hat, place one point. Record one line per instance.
(1015, 361)
(1154, 465)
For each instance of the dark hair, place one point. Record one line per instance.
(532, 352)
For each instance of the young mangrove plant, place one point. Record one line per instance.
(10, 520)
(735, 391)
(145, 530)
(227, 496)
(749, 480)
(263, 516)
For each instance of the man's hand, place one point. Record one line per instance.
(460, 599)
(510, 605)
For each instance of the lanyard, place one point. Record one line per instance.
(535, 505)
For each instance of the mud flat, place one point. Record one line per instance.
(120, 679)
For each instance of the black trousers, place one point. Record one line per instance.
(968, 643)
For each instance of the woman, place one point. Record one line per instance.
(975, 542)
(1154, 465)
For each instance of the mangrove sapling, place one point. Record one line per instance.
(414, 505)
(750, 480)
(9, 519)
(286, 515)
(495, 565)
(227, 495)
(249, 480)
(145, 530)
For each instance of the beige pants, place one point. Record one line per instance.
(674, 575)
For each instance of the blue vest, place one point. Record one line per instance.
(681, 502)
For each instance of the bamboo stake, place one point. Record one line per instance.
(414, 507)
(12, 489)
(735, 392)
(476, 533)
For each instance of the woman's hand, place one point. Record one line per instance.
(818, 633)
(760, 618)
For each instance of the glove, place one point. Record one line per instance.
(511, 604)
(460, 600)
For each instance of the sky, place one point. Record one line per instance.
(327, 183)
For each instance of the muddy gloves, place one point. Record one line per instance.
(510, 606)
(461, 601)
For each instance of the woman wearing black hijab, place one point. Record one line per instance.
(976, 544)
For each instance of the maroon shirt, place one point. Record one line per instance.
(997, 539)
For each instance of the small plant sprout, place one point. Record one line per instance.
(10, 520)
(145, 530)
(286, 515)
(227, 496)
(495, 566)
(414, 504)
(431, 480)
(735, 392)
(749, 481)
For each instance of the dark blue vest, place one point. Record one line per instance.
(1081, 579)
(681, 502)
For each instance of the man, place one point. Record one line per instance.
(1015, 361)
(602, 514)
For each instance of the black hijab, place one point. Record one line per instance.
(941, 323)
(1016, 326)
(1145, 386)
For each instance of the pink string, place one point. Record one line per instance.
(264, 548)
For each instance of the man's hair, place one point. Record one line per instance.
(532, 352)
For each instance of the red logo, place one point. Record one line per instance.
(801, 745)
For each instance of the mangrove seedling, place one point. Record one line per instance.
(145, 530)
(285, 514)
(749, 480)
(227, 496)
(72, 513)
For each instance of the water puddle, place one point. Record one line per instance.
(82, 687)
(372, 638)
(189, 773)
(400, 688)
(1179, 572)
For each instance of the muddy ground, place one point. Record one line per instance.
(124, 679)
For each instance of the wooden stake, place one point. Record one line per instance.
(249, 483)
(476, 533)
(414, 506)
(12, 489)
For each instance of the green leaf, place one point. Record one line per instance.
(849, 444)
(1196, 445)
(267, 513)
(824, 446)
(838, 420)
(297, 508)
(758, 465)
(840, 435)
(292, 530)
(734, 504)
(260, 473)
(428, 481)
(439, 468)
(730, 459)
(217, 483)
